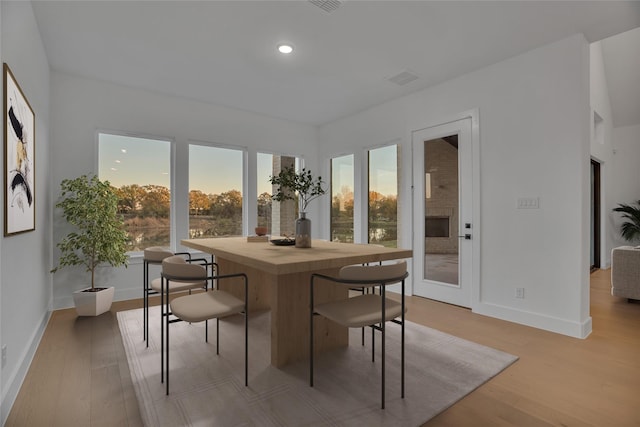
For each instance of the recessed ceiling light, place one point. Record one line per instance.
(285, 48)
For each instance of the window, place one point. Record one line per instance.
(215, 191)
(278, 217)
(342, 172)
(383, 196)
(139, 169)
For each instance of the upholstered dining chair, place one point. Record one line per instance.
(154, 256)
(198, 307)
(366, 290)
(368, 309)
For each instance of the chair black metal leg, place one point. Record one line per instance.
(311, 335)
(162, 316)
(373, 344)
(217, 336)
(167, 356)
(144, 301)
(246, 348)
(402, 346)
(246, 331)
(383, 329)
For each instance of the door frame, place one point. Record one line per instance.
(475, 282)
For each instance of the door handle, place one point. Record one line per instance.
(466, 237)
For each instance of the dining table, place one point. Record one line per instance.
(279, 278)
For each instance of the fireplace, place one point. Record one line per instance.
(436, 226)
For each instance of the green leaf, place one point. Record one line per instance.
(300, 185)
(630, 229)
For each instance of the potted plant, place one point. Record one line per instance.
(301, 185)
(630, 229)
(90, 206)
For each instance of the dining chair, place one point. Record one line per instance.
(368, 309)
(366, 290)
(154, 255)
(210, 304)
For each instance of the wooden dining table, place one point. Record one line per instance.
(279, 280)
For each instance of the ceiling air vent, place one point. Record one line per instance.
(326, 5)
(403, 78)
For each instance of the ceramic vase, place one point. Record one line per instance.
(303, 231)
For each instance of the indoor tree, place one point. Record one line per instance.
(91, 207)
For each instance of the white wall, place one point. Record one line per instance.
(626, 175)
(602, 148)
(25, 281)
(534, 142)
(84, 106)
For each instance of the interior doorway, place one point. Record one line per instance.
(595, 215)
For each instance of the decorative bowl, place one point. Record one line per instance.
(283, 242)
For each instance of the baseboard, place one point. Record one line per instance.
(16, 378)
(536, 320)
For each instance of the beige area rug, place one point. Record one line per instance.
(208, 389)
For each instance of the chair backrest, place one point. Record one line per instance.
(176, 268)
(388, 273)
(156, 253)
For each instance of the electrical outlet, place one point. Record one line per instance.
(519, 292)
(4, 355)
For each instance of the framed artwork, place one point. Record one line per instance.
(19, 161)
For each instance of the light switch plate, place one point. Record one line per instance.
(528, 202)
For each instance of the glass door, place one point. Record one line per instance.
(443, 227)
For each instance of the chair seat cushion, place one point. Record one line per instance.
(156, 254)
(375, 273)
(359, 311)
(174, 286)
(207, 305)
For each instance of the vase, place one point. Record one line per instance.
(303, 231)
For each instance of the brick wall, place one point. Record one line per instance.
(441, 162)
(283, 214)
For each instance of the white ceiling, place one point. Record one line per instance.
(224, 52)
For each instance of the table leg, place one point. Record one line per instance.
(287, 296)
(290, 318)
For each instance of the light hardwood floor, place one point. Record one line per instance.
(80, 377)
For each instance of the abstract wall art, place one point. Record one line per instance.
(19, 162)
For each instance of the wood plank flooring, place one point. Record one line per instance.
(79, 375)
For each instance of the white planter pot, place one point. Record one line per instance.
(93, 303)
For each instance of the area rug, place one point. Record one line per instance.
(208, 389)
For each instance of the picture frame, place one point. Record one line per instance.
(19, 158)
